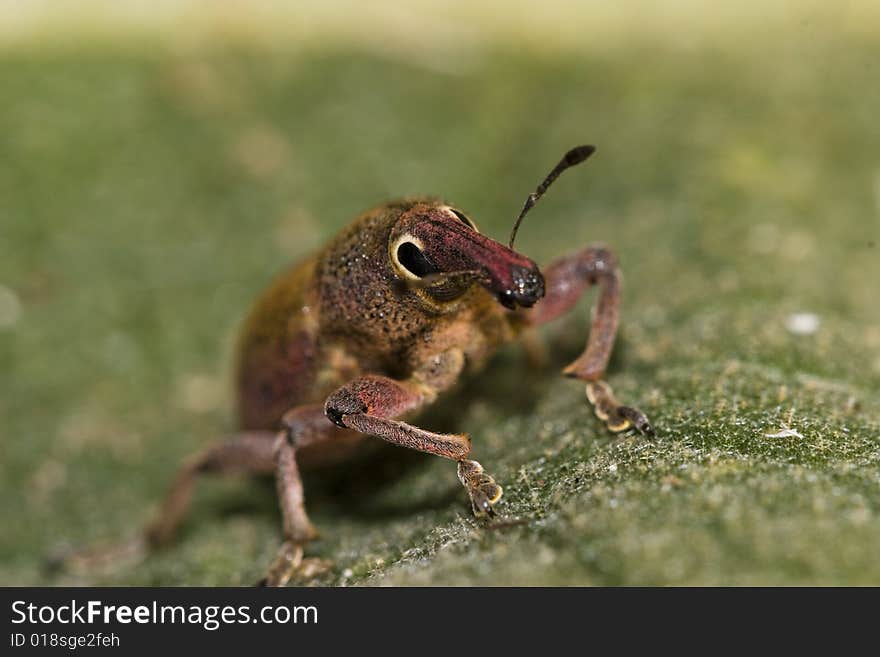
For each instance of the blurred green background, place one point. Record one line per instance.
(160, 162)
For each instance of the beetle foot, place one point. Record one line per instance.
(481, 487)
(616, 416)
(287, 561)
(311, 567)
(290, 565)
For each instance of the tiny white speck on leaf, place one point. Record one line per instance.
(802, 323)
(786, 432)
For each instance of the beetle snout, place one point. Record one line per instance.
(527, 286)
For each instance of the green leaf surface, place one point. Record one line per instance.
(147, 197)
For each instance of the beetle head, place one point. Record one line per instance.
(437, 248)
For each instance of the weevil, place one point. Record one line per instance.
(346, 345)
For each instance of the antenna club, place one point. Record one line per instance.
(578, 154)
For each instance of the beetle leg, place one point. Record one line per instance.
(481, 488)
(247, 452)
(303, 425)
(298, 529)
(566, 281)
(367, 405)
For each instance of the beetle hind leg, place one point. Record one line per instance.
(243, 453)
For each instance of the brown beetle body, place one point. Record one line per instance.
(373, 328)
(345, 312)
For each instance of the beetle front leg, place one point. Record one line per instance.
(367, 405)
(566, 281)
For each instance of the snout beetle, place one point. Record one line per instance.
(373, 328)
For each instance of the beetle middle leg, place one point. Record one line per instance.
(302, 425)
(566, 281)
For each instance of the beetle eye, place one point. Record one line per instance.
(414, 260)
(462, 218)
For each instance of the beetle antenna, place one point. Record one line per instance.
(575, 156)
